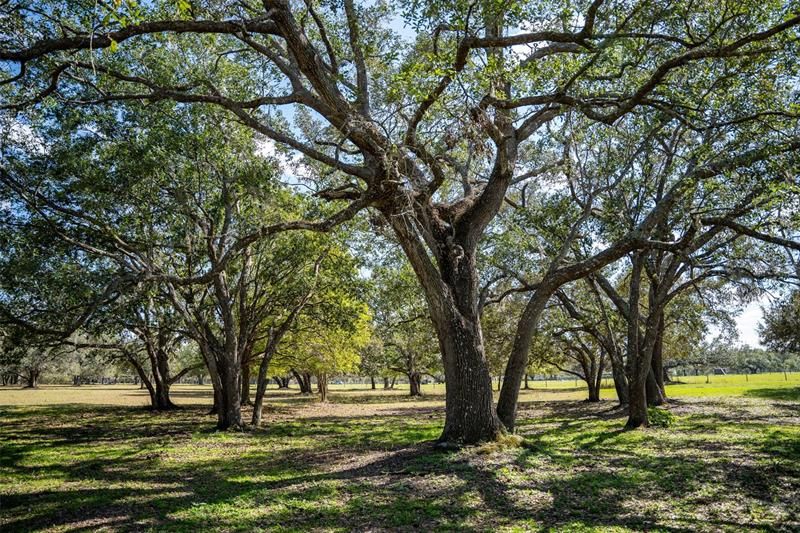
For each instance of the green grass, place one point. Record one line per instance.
(724, 464)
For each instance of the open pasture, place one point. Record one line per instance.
(92, 458)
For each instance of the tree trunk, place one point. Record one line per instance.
(620, 379)
(470, 416)
(162, 400)
(303, 380)
(322, 386)
(638, 355)
(229, 414)
(658, 394)
(261, 388)
(637, 403)
(594, 390)
(391, 385)
(144, 380)
(32, 379)
(160, 379)
(654, 392)
(518, 360)
(245, 393)
(415, 383)
(526, 387)
(386, 383)
(372, 381)
(215, 407)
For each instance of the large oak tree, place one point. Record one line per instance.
(429, 133)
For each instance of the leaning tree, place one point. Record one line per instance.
(429, 131)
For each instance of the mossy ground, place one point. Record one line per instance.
(365, 461)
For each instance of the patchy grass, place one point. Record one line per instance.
(723, 464)
(774, 385)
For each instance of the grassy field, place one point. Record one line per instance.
(90, 458)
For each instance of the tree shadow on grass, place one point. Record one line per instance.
(126, 469)
(786, 393)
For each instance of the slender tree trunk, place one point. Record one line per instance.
(596, 380)
(245, 393)
(526, 387)
(638, 355)
(261, 388)
(386, 383)
(659, 394)
(322, 386)
(653, 391)
(620, 379)
(144, 381)
(217, 405)
(518, 360)
(372, 381)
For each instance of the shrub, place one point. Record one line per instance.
(660, 418)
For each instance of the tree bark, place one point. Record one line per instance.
(594, 390)
(245, 393)
(637, 403)
(656, 393)
(518, 359)
(322, 386)
(163, 401)
(229, 414)
(638, 358)
(261, 388)
(620, 379)
(372, 381)
(31, 379)
(470, 416)
(652, 390)
(415, 383)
